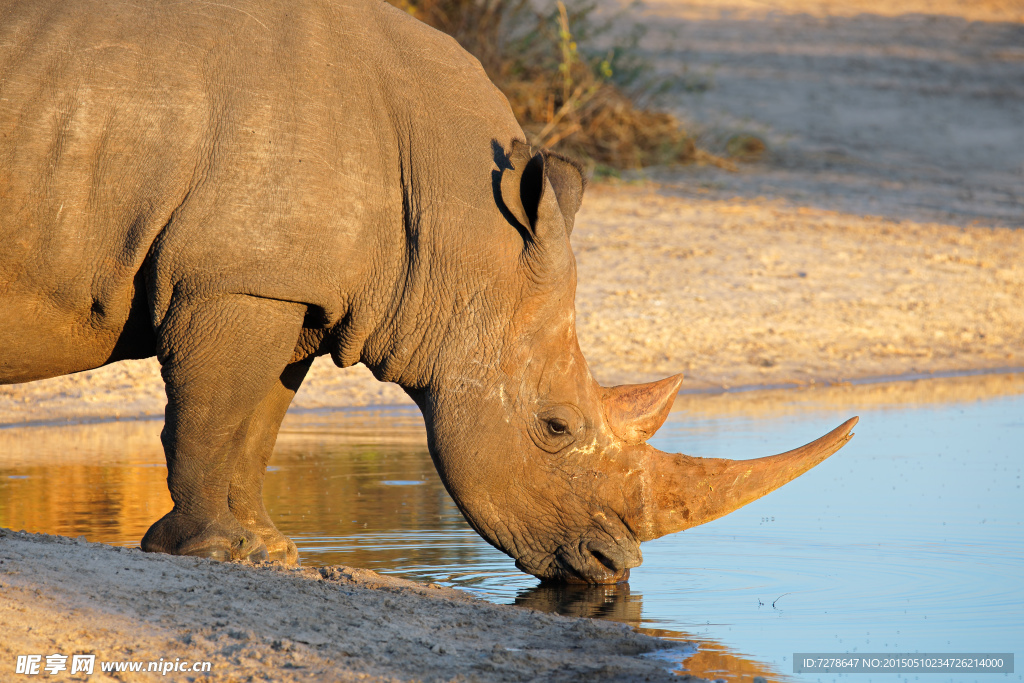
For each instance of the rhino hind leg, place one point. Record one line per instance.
(257, 438)
(220, 360)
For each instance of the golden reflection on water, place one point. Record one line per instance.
(104, 481)
(333, 475)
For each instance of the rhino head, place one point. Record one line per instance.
(547, 465)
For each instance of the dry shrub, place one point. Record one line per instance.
(745, 147)
(564, 97)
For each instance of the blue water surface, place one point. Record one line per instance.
(910, 539)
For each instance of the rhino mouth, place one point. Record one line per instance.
(586, 562)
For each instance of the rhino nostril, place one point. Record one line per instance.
(606, 561)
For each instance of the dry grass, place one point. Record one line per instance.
(565, 96)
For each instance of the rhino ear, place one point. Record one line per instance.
(522, 185)
(568, 182)
(527, 193)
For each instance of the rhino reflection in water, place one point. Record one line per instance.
(237, 188)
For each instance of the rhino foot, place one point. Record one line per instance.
(179, 534)
(279, 547)
(287, 553)
(256, 521)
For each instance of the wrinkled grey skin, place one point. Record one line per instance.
(239, 187)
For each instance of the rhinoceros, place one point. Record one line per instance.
(239, 187)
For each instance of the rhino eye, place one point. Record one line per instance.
(556, 427)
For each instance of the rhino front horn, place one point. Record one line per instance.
(680, 491)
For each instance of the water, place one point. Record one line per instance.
(909, 539)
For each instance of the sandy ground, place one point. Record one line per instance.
(998, 11)
(268, 623)
(876, 237)
(907, 116)
(729, 291)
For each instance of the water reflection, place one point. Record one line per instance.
(614, 603)
(712, 660)
(105, 481)
(912, 539)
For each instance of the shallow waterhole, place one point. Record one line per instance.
(909, 539)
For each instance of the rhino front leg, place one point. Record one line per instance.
(257, 437)
(220, 359)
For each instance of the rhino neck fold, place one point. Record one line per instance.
(393, 329)
(449, 286)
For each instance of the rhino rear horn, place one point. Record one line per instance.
(635, 411)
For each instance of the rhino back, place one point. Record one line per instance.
(261, 148)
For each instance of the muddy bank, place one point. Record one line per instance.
(58, 595)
